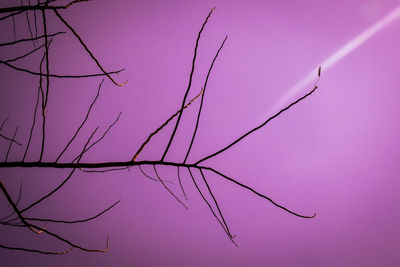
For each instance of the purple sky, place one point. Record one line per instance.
(333, 154)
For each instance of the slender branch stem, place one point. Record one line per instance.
(83, 122)
(258, 127)
(163, 125)
(189, 85)
(166, 187)
(30, 39)
(202, 99)
(86, 48)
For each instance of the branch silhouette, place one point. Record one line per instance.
(197, 170)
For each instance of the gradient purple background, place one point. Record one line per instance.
(334, 154)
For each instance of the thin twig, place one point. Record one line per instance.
(257, 193)
(151, 178)
(76, 221)
(10, 139)
(13, 21)
(17, 211)
(28, 22)
(163, 125)
(210, 208)
(30, 39)
(86, 48)
(83, 122)
(216, 204)
(3, 123)
(24, 55)
(180, 183)
(202, 99)
(11, 15)
(101, 137)
(16, 204)
(34, 112)
(258, 127)
(166, 187)
(36, 250)
(45, 98)
(59, 75)
(188, 87)
(108, 170)
(11, 142)
(63, 182)
(19, 194)
(39, 6)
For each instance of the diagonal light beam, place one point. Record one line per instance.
(337, 56)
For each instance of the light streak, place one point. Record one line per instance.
(337, 56)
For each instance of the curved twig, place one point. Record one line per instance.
(189, 85)
(163, 125)
(166, 187)
(86, 48)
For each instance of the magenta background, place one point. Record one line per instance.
(334, 154)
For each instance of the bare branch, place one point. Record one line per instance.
(14, 31)
(76, 221)
(151, 178)
(202, 99)
(63, 182)
(216, 203)
(28, 22)
(34, 114)
(107, 170)
(257, 193)
(24, 55)
(83, 122)
(223, 225)
(163, 125)
(86, 48)
(36, 250)
(101, 138)
(59, 75)
(39, 6)
(189, 85)
(17, 211)
(11, 15)
(45, 98)
(258, 127)
(183, 204)
(11, 142)
(16, 204)
(4, 122)
(180, 183)
(30, 39)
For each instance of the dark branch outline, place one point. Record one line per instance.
(30, 39)
(202, 99)
(151, 178)
(86, 48)
(45, 97)
(83, 122)
(75, 221)
(35, 110)
(166, 187)
(223, 225)
(135, 163)
(188, 87)
(163, 125)
(11, 142)
(59, 75)
(196, 164)
(258, 127)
